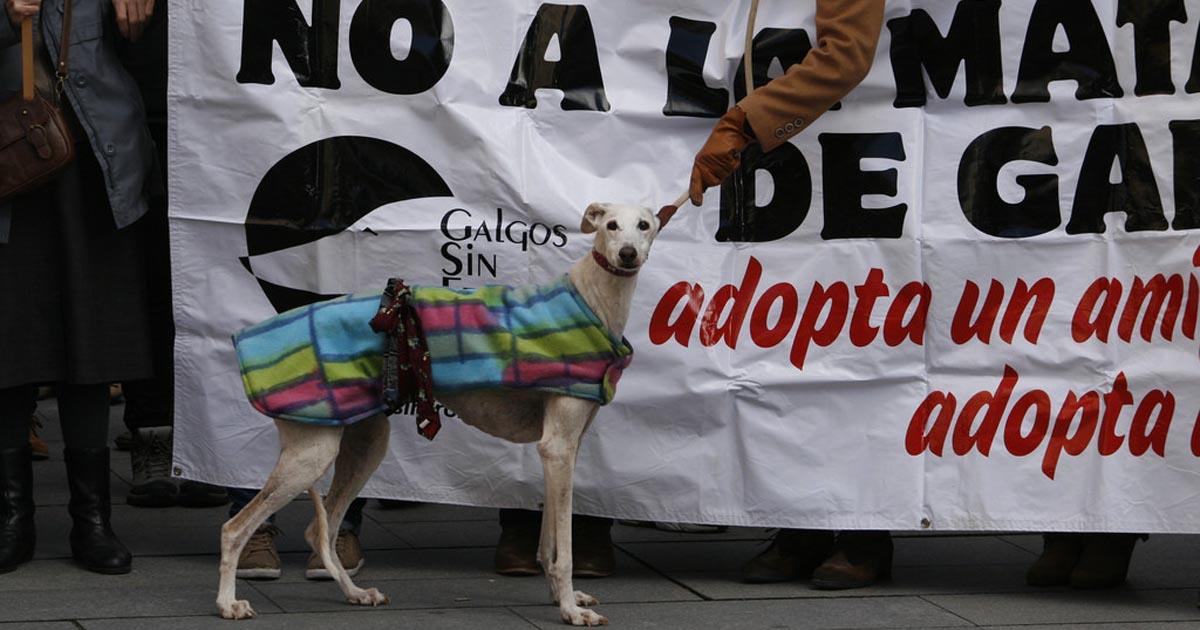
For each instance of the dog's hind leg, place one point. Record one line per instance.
(566, 420)
(305, 453)
(363, 446)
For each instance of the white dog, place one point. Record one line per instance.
(605, 279)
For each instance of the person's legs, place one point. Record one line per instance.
(17, 531)
(83, 412)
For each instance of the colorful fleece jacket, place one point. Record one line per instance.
(321, 364)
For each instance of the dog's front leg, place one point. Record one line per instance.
(546, 541)
(566, 420)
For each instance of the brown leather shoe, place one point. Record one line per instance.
(592, 547)
(859, 559)
(793, 555)
(516, 551)
(1104, 562)
(1060, 554)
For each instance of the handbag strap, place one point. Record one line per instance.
(65, 44)
(28, 72)
(27, 77)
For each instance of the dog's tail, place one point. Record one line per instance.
(322, 538)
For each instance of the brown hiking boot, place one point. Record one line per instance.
(259, 560)
(37, 445)
(1104, 562)
(516, 551)
(348, 550)
(793, 555)
(592, 552)
(859, 559)
(1060, 554)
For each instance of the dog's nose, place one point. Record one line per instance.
(628, 255)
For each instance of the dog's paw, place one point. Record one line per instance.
(239, 609)
(583, 599)
(582, 617)
(369, 597)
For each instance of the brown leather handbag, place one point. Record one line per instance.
(35, 141)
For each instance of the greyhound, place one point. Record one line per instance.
(605, 279)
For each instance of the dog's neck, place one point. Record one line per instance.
(608, 294)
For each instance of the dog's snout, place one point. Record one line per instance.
(628, 255)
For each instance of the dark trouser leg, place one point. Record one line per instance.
(83, 413)
(17, 531)
(16, 404)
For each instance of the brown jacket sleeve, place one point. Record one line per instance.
(847, 33)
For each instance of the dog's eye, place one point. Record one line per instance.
(612, 225)
(643, 226)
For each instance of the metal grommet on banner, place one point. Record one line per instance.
(926, 523)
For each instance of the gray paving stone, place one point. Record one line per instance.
(718, 555)
(364, 619)
(884, 612)
(1121, 605)
(443, 534)
(40, 625)
(148, 573)
(116, 601)
(470, 592)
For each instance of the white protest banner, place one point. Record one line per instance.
(965, 299)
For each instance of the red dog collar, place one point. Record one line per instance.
(616, 271)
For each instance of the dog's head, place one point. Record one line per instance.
(623, 232)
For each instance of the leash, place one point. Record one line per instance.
(668, 211)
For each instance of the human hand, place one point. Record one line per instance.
(720, 155)
(132, 17)
(19, 10)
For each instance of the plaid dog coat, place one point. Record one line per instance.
(322, 364)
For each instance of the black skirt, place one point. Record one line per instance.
(73, 292)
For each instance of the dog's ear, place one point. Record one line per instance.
(592, 217)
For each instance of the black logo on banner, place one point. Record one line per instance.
(323, 188)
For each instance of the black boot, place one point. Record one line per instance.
(17, 533)
(93, 543)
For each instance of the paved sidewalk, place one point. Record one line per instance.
(435, 563)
